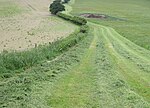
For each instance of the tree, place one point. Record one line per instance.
(58, 1)
(66, 1)
(56, 7)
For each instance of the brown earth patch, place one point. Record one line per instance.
(90, 15)
(34, 26)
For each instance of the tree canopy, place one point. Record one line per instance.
(56, 7)
(66, 1)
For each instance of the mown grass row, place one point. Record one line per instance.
(25, 76)
(32, 87)
(12, 62)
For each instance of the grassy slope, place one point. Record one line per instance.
(135, 12)
(114, 72)
(75, 88)
(104, 70)
(106, 76)
(29, 88)
(131, 61)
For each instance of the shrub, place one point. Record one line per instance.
(64, 16)
(84, 29)
(74, 19)
(56, 7)
(79, 20)
(66, 1)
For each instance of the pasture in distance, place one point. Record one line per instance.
(135, 15)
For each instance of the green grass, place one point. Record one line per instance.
(32, 87)
(107, 76)
(9, 8)
(136, 15)
(131, 60)
(11, 62)
(104, 70)
(114, 72)
(79, 80)
(115, 89)
(18, 70)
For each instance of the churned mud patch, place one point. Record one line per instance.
(92, 15)
(100, 16)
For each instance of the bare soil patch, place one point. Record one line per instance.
(101, 17)
(91, 15)
(34, 26)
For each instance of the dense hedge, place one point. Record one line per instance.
(74, 19)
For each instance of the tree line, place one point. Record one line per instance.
(74, 19)
(57, 7)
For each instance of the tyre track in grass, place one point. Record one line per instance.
(137, 78)
(75, 89)
(104, 78)
(113, 73)
(113, 89)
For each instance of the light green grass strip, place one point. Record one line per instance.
(75, 89)
(138, 78)
(9, 8)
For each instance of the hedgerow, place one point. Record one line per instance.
(75, 19)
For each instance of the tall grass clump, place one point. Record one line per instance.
(9, 62)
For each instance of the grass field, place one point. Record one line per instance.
(113, 73)
(135, 15)
(106, 77)
(102, 70)
(31, 87)
(25, 24)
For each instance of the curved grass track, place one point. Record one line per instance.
(105, 70)
(76, 87)
(114, 72)
(131, 61)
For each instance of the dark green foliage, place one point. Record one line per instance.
(56, 7)
(79, 20)
(66, 1)
(84, 29)
(57, 1)
(74, 19)
(65, 16)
